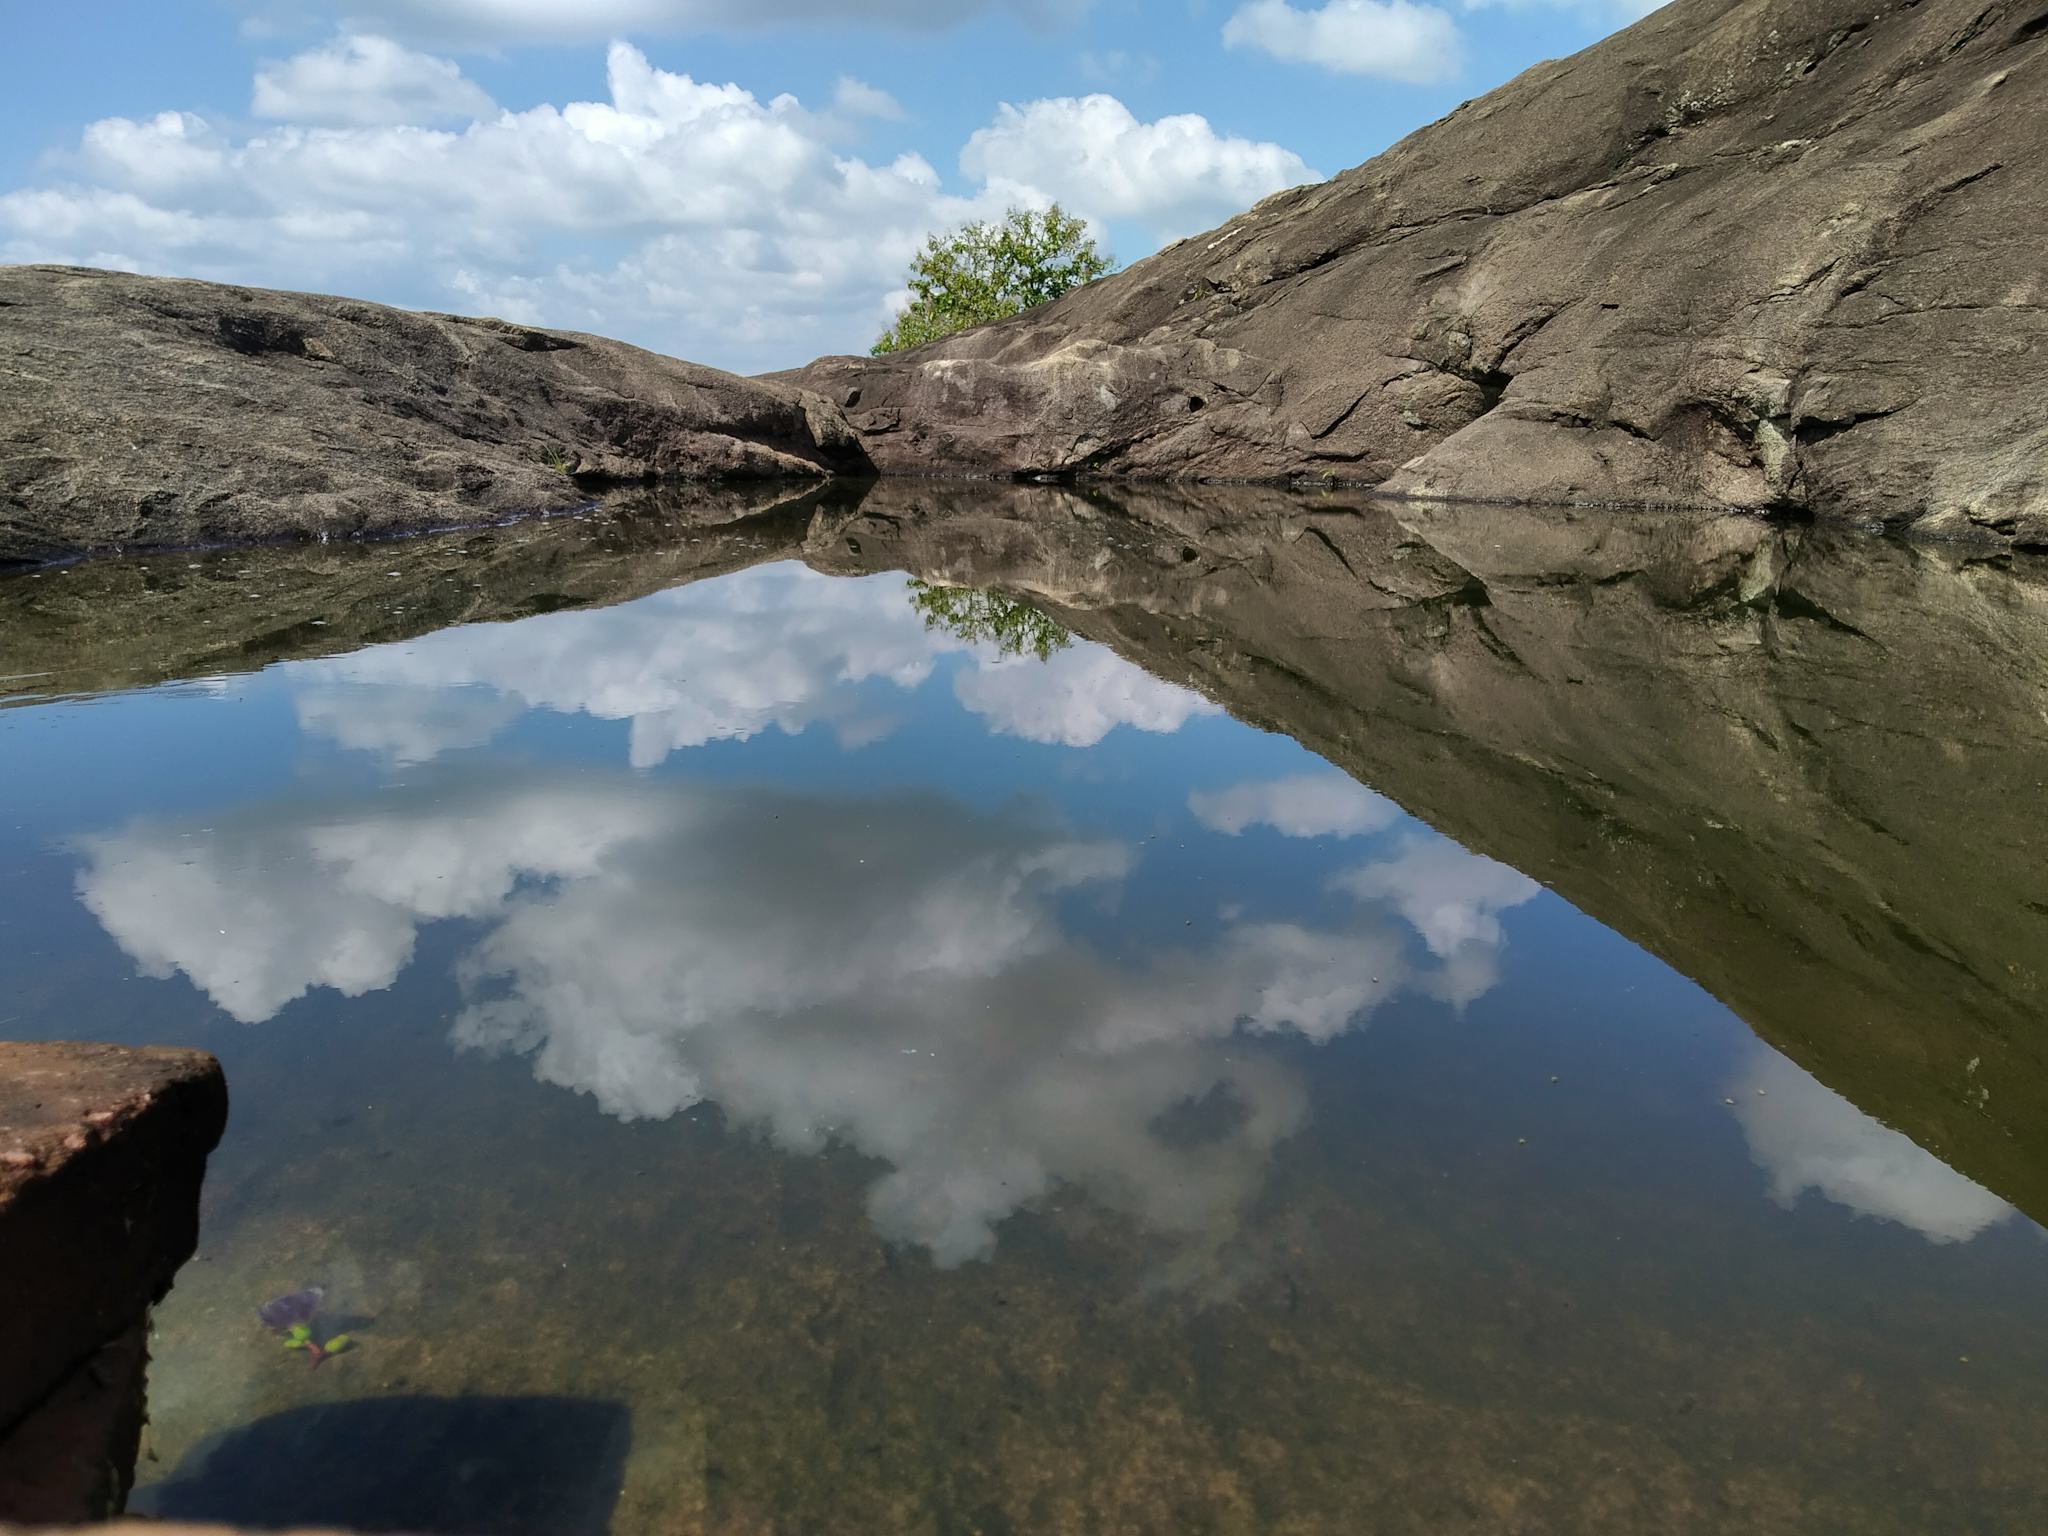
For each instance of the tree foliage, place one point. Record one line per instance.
(983, 272)
(1012, 625)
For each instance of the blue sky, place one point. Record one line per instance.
(737, 181)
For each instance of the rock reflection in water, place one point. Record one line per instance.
(1806, 768)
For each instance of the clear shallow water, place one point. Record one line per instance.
(750, 1059)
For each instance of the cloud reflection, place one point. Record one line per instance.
(1074, 698)
(1454, 900)
(902, 974)
(1804, 1135)
(1301, 805)
(407, 724)
(778, 647)
(258, 910)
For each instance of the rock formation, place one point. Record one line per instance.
(145, 412)
(1780, 255)
(1775, 255)
(101, 1154)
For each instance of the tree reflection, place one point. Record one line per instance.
(976, 615)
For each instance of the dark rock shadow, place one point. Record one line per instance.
(549, 1466)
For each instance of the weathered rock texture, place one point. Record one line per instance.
(139, 412)
(1771, 756)
(1765, 254)
(102, 1149)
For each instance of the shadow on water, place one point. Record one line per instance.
(505, 1465)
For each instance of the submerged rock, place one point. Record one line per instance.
(146, 412)
(1760, 254)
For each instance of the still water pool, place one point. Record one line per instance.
(811, 1050)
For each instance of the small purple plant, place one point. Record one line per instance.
(293, 1316)
(281, 1312)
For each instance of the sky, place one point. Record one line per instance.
(739, 182)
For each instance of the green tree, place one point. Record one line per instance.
(983, 272)
(975, 614)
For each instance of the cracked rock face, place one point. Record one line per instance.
(1758, 254)
(140, 412)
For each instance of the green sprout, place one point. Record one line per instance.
(300, 1336)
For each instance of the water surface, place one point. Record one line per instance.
(941, 1014)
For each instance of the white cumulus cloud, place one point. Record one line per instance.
(856, 98)
(362, 80)
(1176, 175)
(489, 23)
(1390, 39)
(690, 216)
